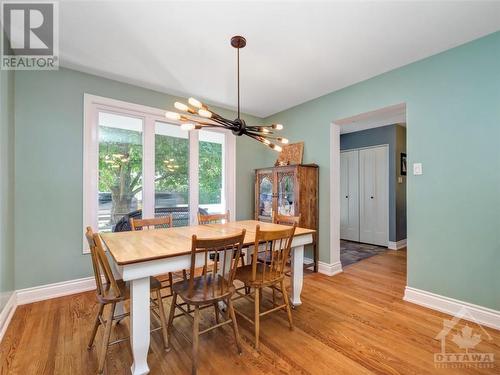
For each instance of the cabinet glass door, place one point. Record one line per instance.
(265, 197)
(286, 193)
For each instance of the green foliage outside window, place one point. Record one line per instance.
(120, 168)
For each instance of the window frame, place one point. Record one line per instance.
(92, 106)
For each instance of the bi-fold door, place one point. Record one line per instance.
(364, 195)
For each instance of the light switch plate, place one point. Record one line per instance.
(400, 180)
(417, 169)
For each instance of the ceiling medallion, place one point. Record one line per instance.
(198, 116)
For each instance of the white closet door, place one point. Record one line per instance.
(349, 195)
(374, 196)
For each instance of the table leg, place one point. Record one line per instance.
(139, 324)
(297, 274)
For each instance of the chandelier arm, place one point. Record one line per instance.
(260, 127)
(209, 124)
(260, 139)
(224, 122)
(198, 119)
(260, 134)
(268, 137)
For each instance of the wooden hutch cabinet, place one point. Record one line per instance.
(290, 190)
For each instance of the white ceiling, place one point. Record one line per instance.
(296, 51)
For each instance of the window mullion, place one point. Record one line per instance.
(148, 167)
(193, 176)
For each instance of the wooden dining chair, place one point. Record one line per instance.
(276, 245)
(286, 220)
(213, 218)
(218, 219)
(282, 220)
(158, 223)
(290, 221)
(212, 287)
(112, 292)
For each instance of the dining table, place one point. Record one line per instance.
(138, 255)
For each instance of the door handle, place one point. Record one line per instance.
(371, 197)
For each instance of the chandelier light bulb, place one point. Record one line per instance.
(187, 126)
(277, 126)
(282, 140)
(195, 103)
(276, 147)
(172, 115)
(181, 106)
(204, 113)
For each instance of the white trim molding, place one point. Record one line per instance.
(329, 269)
(7, 313)
(481, 315)
(334, 194)
(397, 245)
(326, 268)
(49, 291)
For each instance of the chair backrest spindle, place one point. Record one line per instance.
(276, 245)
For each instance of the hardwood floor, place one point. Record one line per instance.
(352, 323)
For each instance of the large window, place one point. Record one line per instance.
(120, 168)
(136, 163)
(172, 173)
(211, 171)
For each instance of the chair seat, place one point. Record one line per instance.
(108, 296)
(206, 289)
(244, 274)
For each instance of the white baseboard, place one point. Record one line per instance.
(326, 268)
(7, 313)
(329, 269)
(396, 245)
(64, 288)
(481, 315)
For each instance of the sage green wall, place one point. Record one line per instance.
(453, 128)
(6, 186)
(48, 173)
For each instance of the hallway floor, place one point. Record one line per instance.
(353, 252)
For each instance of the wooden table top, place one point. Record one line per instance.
(140, 246)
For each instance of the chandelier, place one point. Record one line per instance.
(197, 115)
